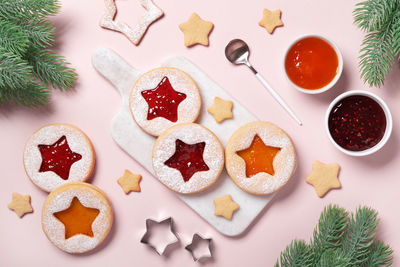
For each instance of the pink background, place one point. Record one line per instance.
(371, 180)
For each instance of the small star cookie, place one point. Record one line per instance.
(20, 204)
(225, 207)
(324, 177)
(130, 182)
(271, 20)
(196, 30)
(221, 109)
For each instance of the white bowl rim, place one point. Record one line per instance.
(386, 135)
(334, 80)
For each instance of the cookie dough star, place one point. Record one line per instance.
(271, 20)
(225, 207)
(324, 177)
(221, 109)
(130, 182)
(196, 30)
(20, 204)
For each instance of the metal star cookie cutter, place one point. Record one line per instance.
(162, 238)
(199, 251)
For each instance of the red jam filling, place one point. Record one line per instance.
(187, 159)
(311, 63)
(77, 219)
(58, 158)
(163, 101)
(357, 123)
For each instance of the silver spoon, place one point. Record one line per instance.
(237, 52)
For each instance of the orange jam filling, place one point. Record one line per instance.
(258, 157)
(77, 219)
(311, 63)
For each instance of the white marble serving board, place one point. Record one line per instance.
(139, 145)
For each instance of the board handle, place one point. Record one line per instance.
(115, 69)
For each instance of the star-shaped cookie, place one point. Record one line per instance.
(221, 109)
(134, 35)
(324, 177)
(20, 204)
(225, 207)
(130, 182)
(271, 20)
(196, 30)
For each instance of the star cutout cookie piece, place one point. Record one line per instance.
(163, 101)
(134, 35)
(221, 109)
(77, 219)
(225, 207)
(271, 20)
(58, 158)
(20, 204)
(130, 182)
(324, 177)
(196, 30)
(188, 159)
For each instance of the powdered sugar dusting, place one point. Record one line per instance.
(134, 35)
(47, 135)
(190, 133)
(284, 162)
(60, 199)
(188, 109)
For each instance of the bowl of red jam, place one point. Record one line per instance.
(358, 123)
(313, 64)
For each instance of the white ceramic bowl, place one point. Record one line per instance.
(338, 73)
(386, 135)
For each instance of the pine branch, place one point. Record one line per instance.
(331, 228)
(28, 10)
(297, 254)
(332, 258)
(14, 71)
(41, 33)
(360, 235)
(33, 94)
(372, 15)
(379, 255)
(12, 39)
(51, 68)
(377, 55)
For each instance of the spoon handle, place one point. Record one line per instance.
(278, 98)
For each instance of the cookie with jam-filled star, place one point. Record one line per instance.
(57, 154)
(164, 97)
(77, 217)
(260, 158)
(187, 158)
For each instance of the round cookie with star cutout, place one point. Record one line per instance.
(164, 97)
(188, 158)
(260, 158)
(57, 154)
(77, 217)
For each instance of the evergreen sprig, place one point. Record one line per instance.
(340, 240)
(28, 66)
(381, 46)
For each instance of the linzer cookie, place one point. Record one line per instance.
(260, 158)
(57, 154)
(188, 158)
(162, 98)
(76, 217)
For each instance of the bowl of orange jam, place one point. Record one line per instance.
(313, 64)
